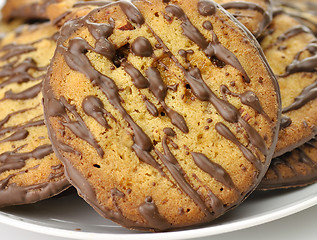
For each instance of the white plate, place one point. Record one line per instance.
(69, 216)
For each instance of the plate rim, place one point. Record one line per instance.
(274, 214)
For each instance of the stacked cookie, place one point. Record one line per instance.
(162, 114)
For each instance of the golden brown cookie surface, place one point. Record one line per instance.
(293, 169)
(157, 113)
(29, 170)
(291, 50)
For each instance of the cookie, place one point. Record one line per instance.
(293, 169)
(39, 10)
(304, 11)
(173, 125)
(256, 15)
(29, 170)
(290, 49)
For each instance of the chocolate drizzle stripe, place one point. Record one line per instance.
(13, 160)
(29, 93)
(93, 107)
(79, 127)
(150, 212)
(224, 131)
(267, 14)
(18, 135)
(16, 50)
(308, 94)
(290, 159)
(92, 3)
(159, 89)
(176, 171)
(211, 49)
(8, 117)
(215, 170)
(22, 126)
(308, 64)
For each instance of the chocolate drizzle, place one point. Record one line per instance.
(93, 107)
(18, 135)
(29, 93)
(248, 98)
(285, 122)
(159, 90)
(177, 172)
(211, 49)
(213, 169)
(78, 127)
(206, 8)
(224, 131)
(306, 65)
(267, 14)
(149, 211)
(304, 175)
(308, 94)
(13, 160)
(142, 47)
(293, 32)
(17, 70)
(77, 60)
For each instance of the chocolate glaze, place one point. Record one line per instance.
(215, 170)
(93, 107)
(149, 211)
(289, 159)
(142, 47)
(224, 131)
(306, 65)
(293, 32)
(29, 93)
(211, 49)
(178, 174)
(267, 14)
(206, 8)
(159, 90)
(285, 122)
(248, 98)
(12, 194)
(18, 135)
(13, 160)
(308, 94)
